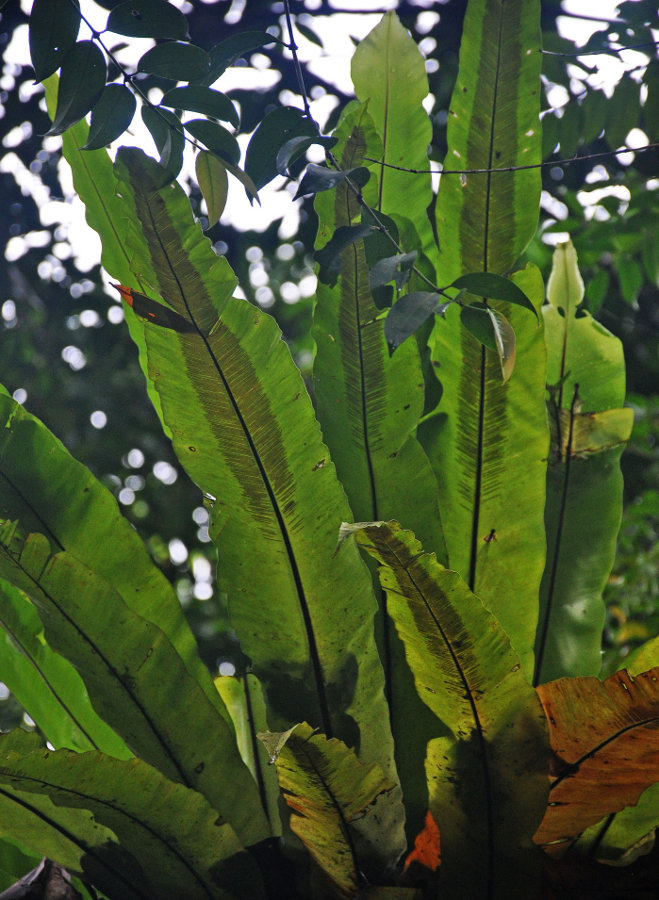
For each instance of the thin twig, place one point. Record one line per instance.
(555, 162)
(601, 52)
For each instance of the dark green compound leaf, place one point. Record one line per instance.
(409, 313)
(204, 100)
(215, 138)
(494, 287)
(226, 53)
(329, 256)
(148, 19)
(178, 61)
(111, 116)
(166, 130)
(82, 81)
(275, 130)
(54, 26)
(296, 147)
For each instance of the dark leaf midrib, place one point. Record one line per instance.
(294, 568)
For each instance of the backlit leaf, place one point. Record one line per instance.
(213, 183)
(54, 26)
(329, 256)
(147, 19)
(82, 81)
(604, 738)
(340, 808)
(172, 832)
(111, 116)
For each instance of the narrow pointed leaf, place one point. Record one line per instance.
(368, 404)
(294, 148)
(45, 489)
(122, 658)
(478, 323)
(54, 26)
(178, 61)
(197, 98)
(494, 287)
(82, 81)
(586, 375)
(111, 116)
(389, 72)
(244, 428)
(486, 768)
(505, 342)
(213, 183)
(167, 133)
(604, 738)
(147, 19)
(246, 704)
(341, 808)
(489, 451)
(171, 831)
(216, 139)
(46, 684)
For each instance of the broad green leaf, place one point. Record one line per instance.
(196, 98)
(147, 19)
(216, 138)
(389, 72)
(111, 116)
(243, 427)
(586, 375)
(45, 683)
(341, 809)
(172, 832)
(229, 50)
(174, 60)
(82, 81)
(484, 221)
(14, 863)
(368, 405)
(486, 769)
(488, 445)
(123, 659)
(604, 742)
(478, 323)
(54, 26)
(278, 127)
(213, 183)
(409, 313)
(72, 837)
(644, 657)
(47, 490)
(245, 701)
